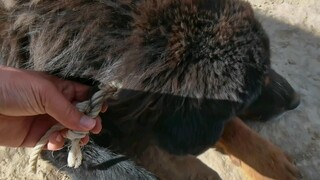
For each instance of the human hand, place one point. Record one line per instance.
(32, 102)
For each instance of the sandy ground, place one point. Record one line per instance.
(294, 30)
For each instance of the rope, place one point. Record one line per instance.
(91, 108)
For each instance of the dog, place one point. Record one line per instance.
(186, 68)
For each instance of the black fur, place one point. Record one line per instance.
(185, 66)
(277, 96)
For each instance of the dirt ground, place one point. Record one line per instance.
(294, 30)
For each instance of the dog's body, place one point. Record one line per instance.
(185, 68)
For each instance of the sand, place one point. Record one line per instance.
(294, 30)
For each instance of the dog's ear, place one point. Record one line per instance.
(277, 96)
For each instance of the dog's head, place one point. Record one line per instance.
(202, 49)
(194, 65)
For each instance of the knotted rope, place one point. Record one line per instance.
(91, 108)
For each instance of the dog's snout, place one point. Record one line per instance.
(294, 102)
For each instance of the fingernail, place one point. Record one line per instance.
(52, 147)
(87, 122)
(59, 138)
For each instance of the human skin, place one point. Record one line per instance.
(31, 102)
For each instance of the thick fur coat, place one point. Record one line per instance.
(184, 67)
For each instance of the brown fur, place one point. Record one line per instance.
(261, 159)
(187, 67)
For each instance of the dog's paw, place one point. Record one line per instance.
(269, 162)
(259, 158)
(281, 165)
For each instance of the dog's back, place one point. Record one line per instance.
(185, 67)
(72, 40)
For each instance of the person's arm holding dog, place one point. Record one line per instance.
(31, 102)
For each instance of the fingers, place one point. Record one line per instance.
(57, 106)
(98, 127)
(73, 91)
(104, 107)
(84, 140)
(96, 130)
(56, 141)
(81, 91)
(38, 127)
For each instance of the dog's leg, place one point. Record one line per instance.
(260, 159)
(167, 166)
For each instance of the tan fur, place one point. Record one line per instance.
(8, 4)
(261, 159)
(167, 166)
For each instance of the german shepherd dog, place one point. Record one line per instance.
(188, 70)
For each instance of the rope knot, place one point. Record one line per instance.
(91, 108)
(72, 135)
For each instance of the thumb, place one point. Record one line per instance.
(58, 107)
